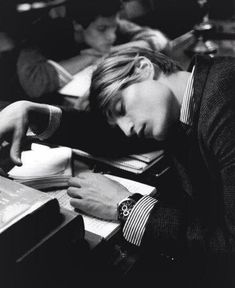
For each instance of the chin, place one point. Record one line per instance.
(159, 136)
(106, 49)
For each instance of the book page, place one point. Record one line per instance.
(97, 226)
(148, 156)
(80, 85)
(43, 162)
(44, 167)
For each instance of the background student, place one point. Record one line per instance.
(56, 49)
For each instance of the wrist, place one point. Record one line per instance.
(125, 206)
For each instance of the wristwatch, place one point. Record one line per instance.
(125, 206)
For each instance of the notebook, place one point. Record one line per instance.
(104, 229)
(135, 163)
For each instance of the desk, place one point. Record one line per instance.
(223, 35)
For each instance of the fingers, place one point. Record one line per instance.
(75, 192)
(78, 204)
(80, 179)
(76, 182)
(15, 152)
(77, 200)
(85, 174)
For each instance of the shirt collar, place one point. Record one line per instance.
(187, 107)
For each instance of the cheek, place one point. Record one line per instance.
(162, 123)
(148, 108)
(89, 39)
(95, 40)
(160, 129)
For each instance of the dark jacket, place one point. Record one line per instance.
(204, 161)
(194, 219)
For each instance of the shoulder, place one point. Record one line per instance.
(221, 63)
(217, 108)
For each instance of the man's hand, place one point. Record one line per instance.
(15, 120)
(96, 195)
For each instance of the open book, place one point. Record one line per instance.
(44, 167)
(104, 229)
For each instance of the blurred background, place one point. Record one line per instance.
(173, 17)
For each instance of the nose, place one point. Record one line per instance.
(76, 26)
(126, 126)
(111, 36)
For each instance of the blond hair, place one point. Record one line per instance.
(119, 70)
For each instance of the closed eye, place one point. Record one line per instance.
(116, 110)
(119, 109)
(102, 28)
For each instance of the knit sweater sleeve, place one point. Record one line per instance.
(36, 75)
(129, 32)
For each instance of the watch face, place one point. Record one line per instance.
(125, 208)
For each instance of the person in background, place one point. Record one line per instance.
(10, 33)
(56, 49)
(146, 94)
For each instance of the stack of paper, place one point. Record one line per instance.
(136, 163)
(44, 167)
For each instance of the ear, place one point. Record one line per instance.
(77, 27)
(145, 66)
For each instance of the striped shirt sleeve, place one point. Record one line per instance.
(134, 227)
(187, 107)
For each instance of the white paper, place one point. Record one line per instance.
(42, 162)
(80, 85)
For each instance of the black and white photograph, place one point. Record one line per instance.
(117, 143)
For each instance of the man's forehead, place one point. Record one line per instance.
(107, 21)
